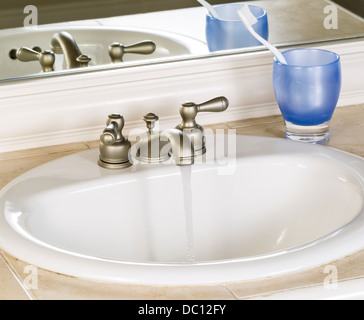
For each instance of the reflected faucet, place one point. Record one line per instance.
(118, 50)
(45, 58)
(64, 43)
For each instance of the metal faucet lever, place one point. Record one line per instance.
(45, 58)
(118, 50)
(189, 125)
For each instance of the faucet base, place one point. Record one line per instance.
(200, 152)
(114, 166)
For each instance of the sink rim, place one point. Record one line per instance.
(280, 263)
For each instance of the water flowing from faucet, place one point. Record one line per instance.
(186, 174)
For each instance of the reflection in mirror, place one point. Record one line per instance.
(151, 31)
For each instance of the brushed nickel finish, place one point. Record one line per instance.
(151, 147)
(114, 147)
(191, 128)
(118, 50)
(64, 43)
(84, 60)
(156, 147)
(45, 58)
(183, 143)
(150, 120)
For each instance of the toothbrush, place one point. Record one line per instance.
(249, 20)
(209, 8)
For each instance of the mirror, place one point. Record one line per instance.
(177, 28)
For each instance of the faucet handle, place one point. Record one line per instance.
(215, 105)
(193, 130)
(109, 136)
(114, 147)
(114, 131)
(25, 54)
(118, 50)
(190, 110)
(150, 119)
(45, 58)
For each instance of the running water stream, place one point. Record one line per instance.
(186, 174)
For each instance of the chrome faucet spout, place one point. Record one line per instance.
(182, 148)
(64, 43)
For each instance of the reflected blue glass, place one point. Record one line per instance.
(308, 88)
(228, 32)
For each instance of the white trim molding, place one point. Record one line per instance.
(74, 107)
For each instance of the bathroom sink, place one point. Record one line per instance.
(93, 41)
(280, 207)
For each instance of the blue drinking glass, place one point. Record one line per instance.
(228, 32)
(307, 91)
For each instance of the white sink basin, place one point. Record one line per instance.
(286, 207)
(93, 41)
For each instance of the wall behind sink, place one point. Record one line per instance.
(356, 6)
(52, 11)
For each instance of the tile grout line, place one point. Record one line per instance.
(230, 291)
(14, 273)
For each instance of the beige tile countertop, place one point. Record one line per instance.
(347, 130)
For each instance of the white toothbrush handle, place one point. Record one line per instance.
(210, 8)
(273, 49)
